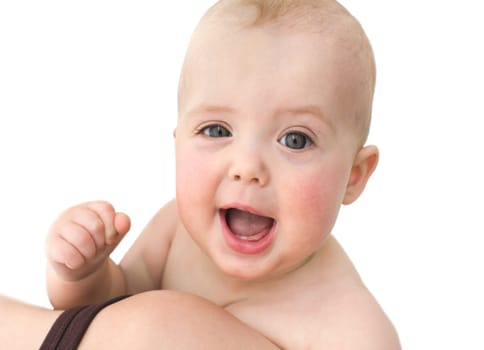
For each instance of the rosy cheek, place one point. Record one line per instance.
(189, 173)
(190, 191)
(195, 180)
(311, 194)
(310, 190)
(316, 198)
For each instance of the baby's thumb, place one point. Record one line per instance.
(122, 224)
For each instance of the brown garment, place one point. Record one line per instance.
(67, 331)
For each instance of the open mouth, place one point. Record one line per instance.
(247, 226)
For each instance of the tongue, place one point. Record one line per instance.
(243, 223)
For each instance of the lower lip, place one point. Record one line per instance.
(244, 246)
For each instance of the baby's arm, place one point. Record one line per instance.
(78, 245)
(79, 274)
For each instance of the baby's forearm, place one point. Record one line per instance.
(106, 282)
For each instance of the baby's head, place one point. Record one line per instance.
(332, 35)
(274, 109)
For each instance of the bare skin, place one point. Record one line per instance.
(331, 302)
(332, 305)
(23, 326)
(154, 320)
(266, 154)
(170, 320)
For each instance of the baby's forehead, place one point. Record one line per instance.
(335, 33)
(342, 38)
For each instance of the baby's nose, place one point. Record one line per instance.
(248, 167)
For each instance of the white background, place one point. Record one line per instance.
(88, 105)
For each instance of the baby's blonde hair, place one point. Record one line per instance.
(309, 15)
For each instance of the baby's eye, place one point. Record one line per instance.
(215, 130)
(295, 140)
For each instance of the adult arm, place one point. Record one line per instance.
(152, 320)
(170, 320)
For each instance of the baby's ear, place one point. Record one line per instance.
(363, 166)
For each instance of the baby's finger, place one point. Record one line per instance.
(90, 220)
(106, 213)
(80, 238)
(62, 252)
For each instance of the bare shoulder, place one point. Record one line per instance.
(144, 263)
(353, 320)
(167, 215)
(324, 305)
(160, 229)
(349, 316)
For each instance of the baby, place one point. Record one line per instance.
(274, 109)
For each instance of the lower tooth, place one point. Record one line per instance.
(248, 238)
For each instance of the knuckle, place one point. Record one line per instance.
(96, 227)
(104, 207)
(72, 258)
(79, 239)
(83, 241)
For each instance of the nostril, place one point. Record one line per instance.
(248, 177)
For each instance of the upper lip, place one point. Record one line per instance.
(246, 208)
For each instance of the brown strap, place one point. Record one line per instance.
(69, 328)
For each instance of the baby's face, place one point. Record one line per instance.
(263, 155)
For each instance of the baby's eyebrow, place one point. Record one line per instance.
(212, 109)
(306, 109)
(313, 110)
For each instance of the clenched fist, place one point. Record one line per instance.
(82, 238)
